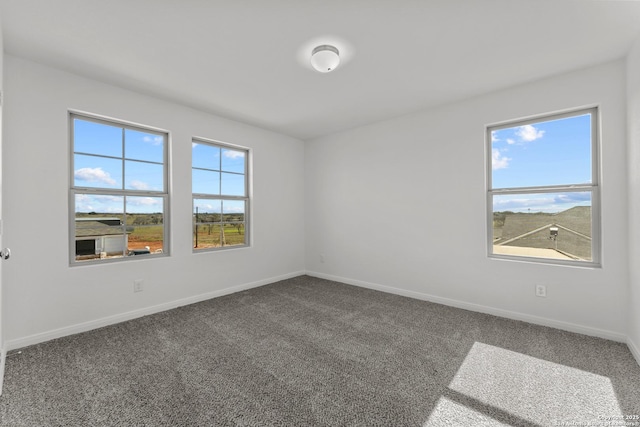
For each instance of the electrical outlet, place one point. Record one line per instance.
(138, 285)
(541, 291)
(322, 258)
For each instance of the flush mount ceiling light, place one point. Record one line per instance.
(325, 58)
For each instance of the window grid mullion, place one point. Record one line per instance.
(200, 168)
(220, 167)
(119, 192)
(554, 189)
(103, 156)
(123, 161)
(218, 196)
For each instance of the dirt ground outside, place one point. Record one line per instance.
(142, 243)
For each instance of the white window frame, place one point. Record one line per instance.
(74, 190)
(246, 198)
(593, 187)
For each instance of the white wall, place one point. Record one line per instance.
(45, 297)
(400, 205)
(633, 115)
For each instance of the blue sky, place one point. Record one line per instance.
(144, 153)
(217, 170)
(556, 152)
(98, 163)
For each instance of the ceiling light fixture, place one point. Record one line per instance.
(325, 58)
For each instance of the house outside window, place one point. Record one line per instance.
(118, 191)
(220, 187)
(543, 193)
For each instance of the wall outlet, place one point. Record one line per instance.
(138, 285)
(322, 258)
(541, 291)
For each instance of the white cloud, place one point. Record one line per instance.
(139, 185)
(99, 203)
(494, 138)
(208, 208)
(549, 203)
(143, 201)
(94, 175)
(233, 209)
(529, 133)
(155, 140)
(108, 199)
(510, 141)
(498, 161)
(233, 154)
(518, 203)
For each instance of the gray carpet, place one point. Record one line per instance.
(311, 352)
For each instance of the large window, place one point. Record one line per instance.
(119, 195)
(220, 195)
(543, 193)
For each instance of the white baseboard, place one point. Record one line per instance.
(566, 326)
(110, 320)
(3, 359)
(635, 350)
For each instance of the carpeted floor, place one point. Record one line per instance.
(311, 352)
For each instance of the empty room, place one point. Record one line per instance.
(320, 213)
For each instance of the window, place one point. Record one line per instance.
(220, 195)
(543, 193)
(119, 195)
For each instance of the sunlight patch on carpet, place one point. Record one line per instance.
(508, 382)
(450, 413)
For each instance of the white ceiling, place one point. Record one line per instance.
(248, 59)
